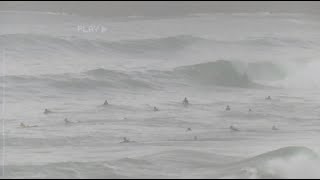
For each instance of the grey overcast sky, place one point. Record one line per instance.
(161, 8)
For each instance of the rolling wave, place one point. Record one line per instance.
(73, 170)
(93, 79)
(287, 162)
(217, 73)
(31, 42)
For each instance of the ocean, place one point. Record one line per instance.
(71, 64)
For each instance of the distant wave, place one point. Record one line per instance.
(93, 79)
(29, 43)
(279, 41)
(50, 44)
(216, 73)
(33, 12)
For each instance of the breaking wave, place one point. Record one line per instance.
(287, 162)
(216, 73)
(219, 72)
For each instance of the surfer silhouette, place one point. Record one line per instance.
(23, 125)
(47, 111)
(66, 121)
(185, 101)
(228, 108)
(155, 109)
(274, 128)
(105, 102)
(233, 128)
(125, 140)
(268, 98)
(189, 129)
(26, 126)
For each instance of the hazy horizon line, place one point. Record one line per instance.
(160, 8)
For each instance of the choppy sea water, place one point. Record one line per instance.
(55, 61)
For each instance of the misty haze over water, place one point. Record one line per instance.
(159, 89)
(162, 8)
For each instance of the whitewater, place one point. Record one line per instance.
(138, 63)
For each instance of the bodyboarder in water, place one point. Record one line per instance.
(47, 111)
(22, 125)
(125, 140)
(155, 109)
(233, 128)
(274, 128)
(268, 98)
(66, 121)
(185, 102)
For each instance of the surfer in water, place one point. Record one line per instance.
(26, 126)
(105, 103)
(274, 128)
(66, 121)
(125, 140)
(23, 125)
(250, 110)
(233, 128)
(228, 108)
(268, 98)
(185, 102)
(189, 129)
(47, 111)
(155, 109)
